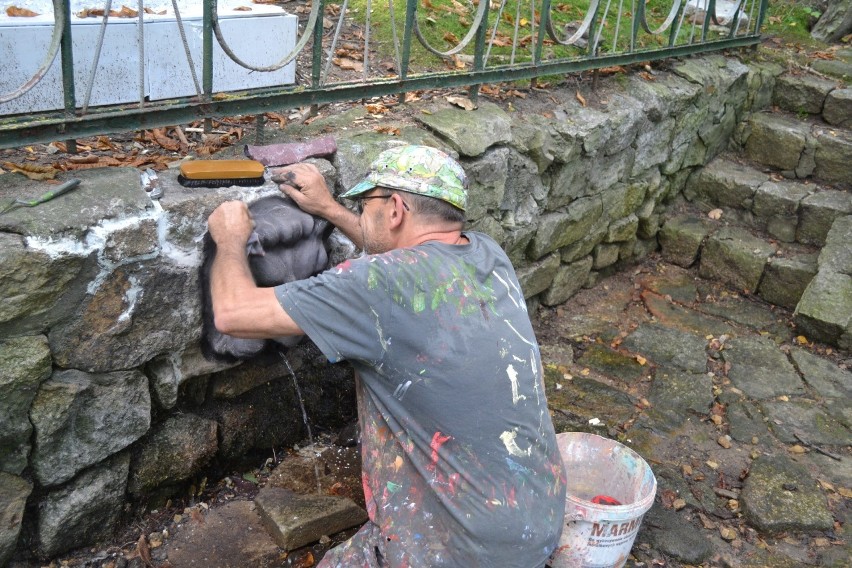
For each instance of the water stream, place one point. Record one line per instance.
(305, 419)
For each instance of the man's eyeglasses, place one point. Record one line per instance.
(359, 203)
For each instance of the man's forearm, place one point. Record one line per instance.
(347, 222)
(240, 308)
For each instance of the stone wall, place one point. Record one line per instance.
(106, 396)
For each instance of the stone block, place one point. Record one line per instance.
(524, 188)
(623, 199)
(836, 255)
(557, 230)
(835, 23)
(735, 257)
(470, 133)
(24, 364)
(173, 451)
(568, 182)
(605, 255)
(13, 498)
(681, 239)
(622, 229)
(296, 520)
(818, 212)
(802, 93)
(533, 135)
(727, 183)
(231, 535)
(38, 288)
(825, 311)
(569, 279)
(776, 141)
(833, 157)
(769, 507)
(777, 204)
(834, 68)
(85, 511)
(587, 244)
(487, 176)
(130, 318)
(170, 371)
(838, 108)
(106, 196)
(81, 419)
(785, 279)
(538, 276)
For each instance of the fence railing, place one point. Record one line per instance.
(365, 48)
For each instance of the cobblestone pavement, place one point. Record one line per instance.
(745, 423)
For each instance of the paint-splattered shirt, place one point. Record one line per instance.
(460, 463)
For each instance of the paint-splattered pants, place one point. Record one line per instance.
(360, 551)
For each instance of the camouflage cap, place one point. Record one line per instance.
(417, 169)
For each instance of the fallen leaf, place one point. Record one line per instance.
(242, 9)
(715, 214)
(376, 108)
(450, 37)
(580, 98)
(801, 340)
(144, 551)
(641, 360)
(462, 102)
(390, 130)
(15, 12)
(348, 64)
(32, 171)
(679, 504)
(845, 492)
(797, 449)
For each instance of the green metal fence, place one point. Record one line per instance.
(503, 40)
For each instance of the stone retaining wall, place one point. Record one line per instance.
(106, 396)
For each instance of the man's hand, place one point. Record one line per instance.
(231, 222)
(304, 184)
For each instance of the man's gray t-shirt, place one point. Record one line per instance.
(460, 463)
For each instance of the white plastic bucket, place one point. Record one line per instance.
(597, 535)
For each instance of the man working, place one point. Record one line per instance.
(460, 463)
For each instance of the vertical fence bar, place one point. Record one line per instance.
(316, 56)
(637, 11)
(761, 14)
(207, 60)
(410, 14)
(479, 51)
(675, 27)
(542, 28)
(70, 99)
(711, 10)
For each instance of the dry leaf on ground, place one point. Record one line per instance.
(16, 12)
(32, 171)
(462, 102)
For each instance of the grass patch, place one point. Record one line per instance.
(444, 23)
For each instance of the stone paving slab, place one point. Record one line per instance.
(760, 369)
(669, 347)
(212, 540)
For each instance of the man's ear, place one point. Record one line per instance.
(395, 216)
